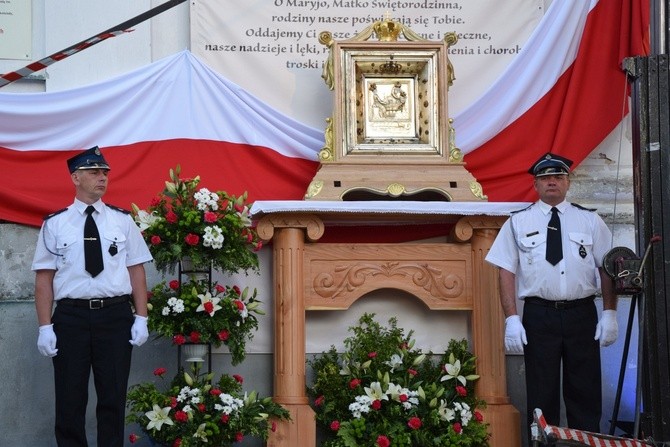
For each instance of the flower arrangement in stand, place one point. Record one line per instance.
(212, 229)
(194, 412)
(383, 392)
(195, 312)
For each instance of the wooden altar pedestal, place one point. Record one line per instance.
(449, 275)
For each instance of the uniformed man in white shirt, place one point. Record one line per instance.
(550, 256)
(89, 260)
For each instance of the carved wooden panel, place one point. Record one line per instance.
(336, 275)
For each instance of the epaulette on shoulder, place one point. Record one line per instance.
(576, 205)
(119, 209)
(522, 209)
(55, 213)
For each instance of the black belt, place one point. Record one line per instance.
(562, 304)
(95, 303)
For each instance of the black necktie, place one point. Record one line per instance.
(92, 246)
(554, 243)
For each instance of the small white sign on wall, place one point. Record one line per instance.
(16, 31)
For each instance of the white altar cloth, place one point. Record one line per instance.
(396, 208)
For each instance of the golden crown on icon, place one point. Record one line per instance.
(387, 30)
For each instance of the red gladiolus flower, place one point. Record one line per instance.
(404, 346)
(173, 402)
(414, 423)
(215, 392)
(132, 438)
(195, 337)
(159, 371)
(192, 239)
(354, 383)
(223, 335)
(177, 443)
(239, 208)
(237, 290)
(383, 441)
(461, 391)
(273, 427)
(457, 427)
(478, 416)
(376, 404)
(403, 398)
(178, 339)
(181, 416)
(412, 372)
(372, 355)
(155, 201)
(155, 240)
(238, 436)
(202, 408)
(209, 307)
(335, 425)
(171, 217)
(225, 418)
(224, 204)
(238, 378)
(174, 284)
(239, 304)
(219, 288)
(319, 400)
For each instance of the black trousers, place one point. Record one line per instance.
(561, 340)
(96, 340)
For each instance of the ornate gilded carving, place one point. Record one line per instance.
(450, 38)
(346, 278)
(314, 189)
(395, 189)
(455, 154)
(326, 153)
(477, 190)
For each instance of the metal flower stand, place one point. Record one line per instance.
(194, 353)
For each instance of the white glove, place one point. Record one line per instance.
(515, 335)
(46, 341)
(139, 331)
(607, 329)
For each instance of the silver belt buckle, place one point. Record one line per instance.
(95, 304)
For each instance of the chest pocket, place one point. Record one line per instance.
(581, 246)
(113, 243)
(533, 247)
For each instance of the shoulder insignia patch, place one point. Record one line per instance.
(55, 213)
(523, 209)
(119, 209)
(576, 205)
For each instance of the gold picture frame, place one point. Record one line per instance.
(391, 102)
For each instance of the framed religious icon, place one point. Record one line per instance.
(391, 103)
(390, 135)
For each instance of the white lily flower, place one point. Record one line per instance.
(158, 416)
(395, 362)
(144, 220)
(453, 372)
(375, 392)
(207, 298)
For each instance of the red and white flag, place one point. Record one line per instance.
(563, 94)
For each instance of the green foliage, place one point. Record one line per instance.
(383, 392)
(193, 312)
(194, 412)
(211, 228)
